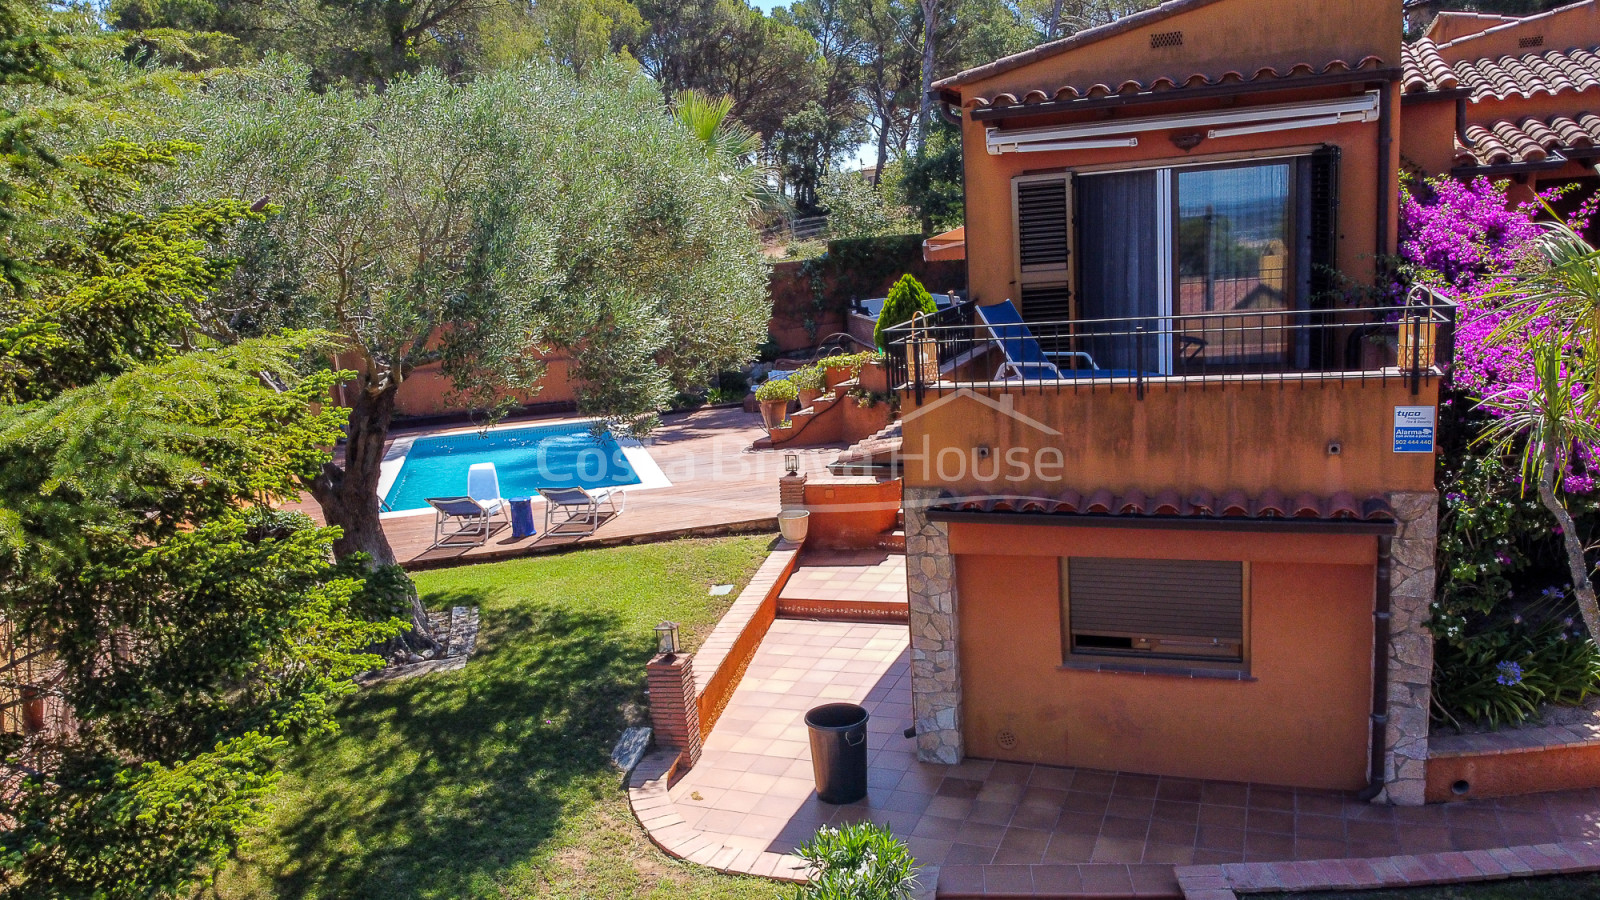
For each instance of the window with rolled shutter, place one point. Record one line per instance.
(1155, 608)
(1043, 208)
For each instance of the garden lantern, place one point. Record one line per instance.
(922, 353)
(667, 638)
(791, 463)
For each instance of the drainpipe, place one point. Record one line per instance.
(1380, 673)
(1461, 124)
(1385, 174)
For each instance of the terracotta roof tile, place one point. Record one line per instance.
(1424, 69)
(1529, 75)
(1530, 140)
(1263, 75)
(1234, 504)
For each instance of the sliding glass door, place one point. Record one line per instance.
(1182, 257)
(1232, 237)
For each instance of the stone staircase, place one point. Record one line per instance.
(873, 455)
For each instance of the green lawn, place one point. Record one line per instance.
(1581, 887)
(495, 781)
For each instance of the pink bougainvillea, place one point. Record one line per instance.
(1466, 240)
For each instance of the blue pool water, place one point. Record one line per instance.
(526, 459)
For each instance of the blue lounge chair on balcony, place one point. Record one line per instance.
(1025, 360)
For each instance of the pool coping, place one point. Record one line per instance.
(394, 459)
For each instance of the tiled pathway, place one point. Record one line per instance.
(752, 788)
(849, 576)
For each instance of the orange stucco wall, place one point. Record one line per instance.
(1248, 436)
(1239, 35)
(1300, 719)
(1514, 774)
(851, 512)
(427, 392)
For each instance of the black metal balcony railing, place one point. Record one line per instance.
(961, 347)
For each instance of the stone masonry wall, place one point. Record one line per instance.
(935, 669)
(1411, 593)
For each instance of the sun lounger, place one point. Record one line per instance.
(1025, 360)
(579, 505)
(459, 522)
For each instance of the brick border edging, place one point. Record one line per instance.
(648, 799)
(720, 661)
(1228, 880)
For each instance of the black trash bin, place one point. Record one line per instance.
(839, 751)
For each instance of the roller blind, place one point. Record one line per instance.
(1156, 606)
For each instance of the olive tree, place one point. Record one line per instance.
(479, 226)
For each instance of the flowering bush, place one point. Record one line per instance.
(1502, 648)
(858, 861)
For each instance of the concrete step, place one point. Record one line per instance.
(871, 611)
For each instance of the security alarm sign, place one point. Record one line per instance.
(1413, 429)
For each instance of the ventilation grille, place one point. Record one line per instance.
(1166, 39)
(1006, 738)
(1046, 303)
(1042, 223)
(1528, 43)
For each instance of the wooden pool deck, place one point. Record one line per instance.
(720, 485)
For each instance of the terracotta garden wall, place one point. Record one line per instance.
(1514, 761)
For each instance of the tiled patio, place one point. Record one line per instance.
(850, 576)
(752, 788)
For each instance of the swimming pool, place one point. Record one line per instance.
(525, 458)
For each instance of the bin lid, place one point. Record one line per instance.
(836, 717)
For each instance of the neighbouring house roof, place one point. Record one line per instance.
(1087, 36)
(1265, 76)
(1453, 24)
(951, 244)
(1201, 505)
(1529, 140)
(1530, 75)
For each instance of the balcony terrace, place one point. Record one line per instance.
(1259, 401)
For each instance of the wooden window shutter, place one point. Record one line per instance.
(1043, 208)
(1324, 238)
(1042, 224)
(1156, 607)
(1046, 302)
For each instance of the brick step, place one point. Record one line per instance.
(870, 611)
(1103, 881)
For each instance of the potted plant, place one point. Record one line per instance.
(808, 382)
(775, 395)
(836, 370)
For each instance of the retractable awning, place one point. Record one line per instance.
(1220, 123)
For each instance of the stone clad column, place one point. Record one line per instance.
(1411, 595)
(935, 668)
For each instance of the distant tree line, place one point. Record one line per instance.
(815, 80)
